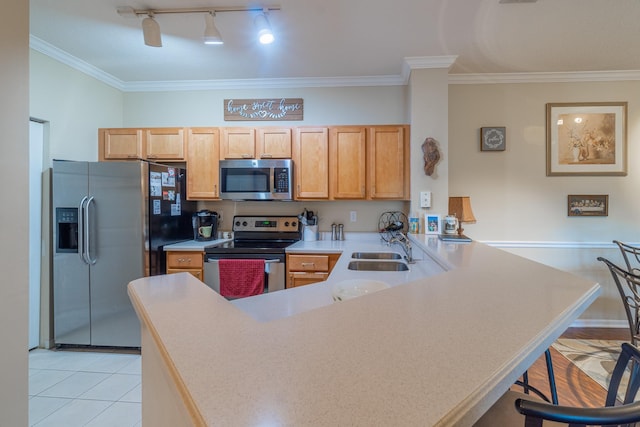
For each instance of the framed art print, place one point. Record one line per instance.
(493, 139)
(431, 224)
(587, 139)
(588, 205)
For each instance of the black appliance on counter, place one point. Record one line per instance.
(256, 237)
(205, 225)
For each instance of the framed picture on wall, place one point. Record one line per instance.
(493, 139)
(588, 205)
(587, 139)
(432, 223)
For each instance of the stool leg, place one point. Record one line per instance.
(552, 378)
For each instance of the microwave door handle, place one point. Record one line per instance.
(81, 230)
(87, 223)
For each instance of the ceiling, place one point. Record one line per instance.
(324, 39)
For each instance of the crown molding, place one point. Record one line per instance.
(280, 83)
(546, 77)
(408, 64)
(84, 67)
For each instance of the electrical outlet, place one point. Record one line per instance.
(353, 216)
(425, 199)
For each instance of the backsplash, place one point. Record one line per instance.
(338, 212)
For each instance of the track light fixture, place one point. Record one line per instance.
(151, 28)
(265, 35)
(151, 31)
(211, 33)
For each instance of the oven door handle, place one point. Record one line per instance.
(266, 261)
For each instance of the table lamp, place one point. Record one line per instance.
(461, 208)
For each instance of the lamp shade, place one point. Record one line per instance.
(151, 32)
(461, 208)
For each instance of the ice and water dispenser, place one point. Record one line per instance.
(67, 230)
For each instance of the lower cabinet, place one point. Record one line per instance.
(185, 262)
(304, 269)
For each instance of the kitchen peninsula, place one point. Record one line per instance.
(437, 350)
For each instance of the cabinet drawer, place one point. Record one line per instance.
(308, 263)
(184, 259)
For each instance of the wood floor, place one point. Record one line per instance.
(574, 387)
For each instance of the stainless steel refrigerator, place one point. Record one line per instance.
(111, 221)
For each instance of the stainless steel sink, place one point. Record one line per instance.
(378, 266)
(375, 255)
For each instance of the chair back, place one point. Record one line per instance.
(628, 285)
(631, 256)
(625, 415)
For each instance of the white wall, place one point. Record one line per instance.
(74, 105)
(14, 253)
(513, 199)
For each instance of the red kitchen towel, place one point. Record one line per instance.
(241, 277)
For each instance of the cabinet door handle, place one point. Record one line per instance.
(308, 264)
(215, 190)
(266, 156)
(247, 156)
(151, 156)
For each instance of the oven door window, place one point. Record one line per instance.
(246, 180)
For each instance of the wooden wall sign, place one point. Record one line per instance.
(263, 109)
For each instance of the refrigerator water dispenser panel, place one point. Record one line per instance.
(67, 224)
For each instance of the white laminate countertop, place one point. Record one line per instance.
(276, 305)
(194, 245)
(434, 351)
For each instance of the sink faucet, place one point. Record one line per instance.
(405, 244)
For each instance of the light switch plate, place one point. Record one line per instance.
(425, 199)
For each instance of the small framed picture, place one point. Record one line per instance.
(588, 205)
(431, 223)
(493, 139)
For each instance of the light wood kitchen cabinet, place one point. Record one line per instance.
(156, 144)
(311, 163)
(273, 143)
(347, 162)
(120, 144)
(185, 262)
(203, 159)
(304, 269)
(238, 143)
(165, 144)
(388, 162)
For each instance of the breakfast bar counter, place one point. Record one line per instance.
(434, 351)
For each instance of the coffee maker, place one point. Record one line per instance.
(205, 225)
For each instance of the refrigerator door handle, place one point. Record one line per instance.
(87, 234)
(81, 229)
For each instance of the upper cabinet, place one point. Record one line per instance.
(157, 144)
(311, 163)
(330, 162)
(347, 162)
(120, 144)
(238, 143)
(255, 143)
(273, 143)
(203, 157)
(388, 162)
(165, 144)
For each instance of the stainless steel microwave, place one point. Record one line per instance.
(259, 179)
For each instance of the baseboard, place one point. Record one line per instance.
(599, 323)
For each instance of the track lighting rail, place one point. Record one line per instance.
(126, 10)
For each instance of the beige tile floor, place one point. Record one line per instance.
(81, 388)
